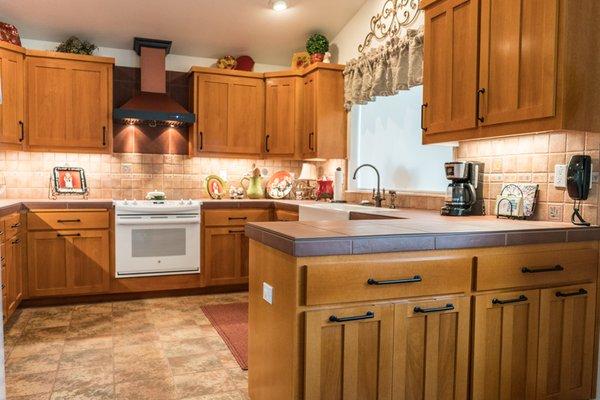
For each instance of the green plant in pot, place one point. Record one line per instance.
(75, 45)
(317, 45)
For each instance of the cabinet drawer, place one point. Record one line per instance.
(527, 269)
(330, 283)
(60, 220)
(235, 217)
(12, 225)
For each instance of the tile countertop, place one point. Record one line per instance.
(410, 230)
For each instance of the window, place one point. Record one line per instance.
(387, 134)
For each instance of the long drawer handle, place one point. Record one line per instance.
(17, 225)
(201, 140)
(447, 307)
(68, 234)
(64, 221)
(104, 136)
(232, 231)
(580, 292)
(556, 268)
(520, 299)
(414, 279)
(480, 118)
(22, 136)
(423, 107)
(368, 315)
(234, 218)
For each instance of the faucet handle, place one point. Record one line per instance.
(373, 196)
(383, 194)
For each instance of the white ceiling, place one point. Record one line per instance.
(201, 28)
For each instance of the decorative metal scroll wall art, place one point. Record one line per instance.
(394, 15)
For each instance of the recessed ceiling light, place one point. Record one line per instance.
(279, 5)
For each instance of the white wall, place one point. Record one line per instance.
(387, 132)
(129, 58)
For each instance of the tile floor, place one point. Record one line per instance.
(148, 349)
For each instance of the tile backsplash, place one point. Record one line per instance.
(531, 158)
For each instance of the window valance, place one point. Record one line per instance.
(397, 65)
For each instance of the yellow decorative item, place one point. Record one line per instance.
(254, 189)
(300, 60)
(227, 62)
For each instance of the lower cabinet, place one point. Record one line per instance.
(431, 349)
(226, 256)
(505, 345)
(68, 263)
(349, 353)
(14, 273)
(565, 358)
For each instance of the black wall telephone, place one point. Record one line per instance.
(579, 178)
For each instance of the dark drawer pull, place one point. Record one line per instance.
(16, 241)
(67, 234)
(414, 279)
(447, 307)
(580, 292)
(368, 315)
(201, 140)
(64, 221)
(234, 218)
(17, 225)
(520, 299)
(103, 136)
(232, 231)
(527, 270)
(423, 107)
(22, 136)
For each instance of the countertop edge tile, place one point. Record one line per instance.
(583, 235)
(536, 237)
(389, 244)
(321, 247)
(472, 240)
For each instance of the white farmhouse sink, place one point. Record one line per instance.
(333, 211)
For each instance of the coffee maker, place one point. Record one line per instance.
(464, 195)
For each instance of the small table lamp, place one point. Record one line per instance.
(307, 174)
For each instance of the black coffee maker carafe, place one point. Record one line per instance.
(464, 195)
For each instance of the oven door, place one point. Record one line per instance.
(157, 245)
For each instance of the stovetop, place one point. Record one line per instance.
(157, 206)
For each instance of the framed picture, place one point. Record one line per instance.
(69, 180)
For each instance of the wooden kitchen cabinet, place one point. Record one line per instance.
(69, 102)
(229, 107)
(283, 122)
(349, 353)
(449, 82)
(70, 260)
(567, 326)
(12, 87)
(12, 247)
(533, 70)
(431, 349)
(324, 116)
(505, 341)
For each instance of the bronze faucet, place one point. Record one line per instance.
(376, 195)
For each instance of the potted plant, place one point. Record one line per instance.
(317, 45)
(75, 45)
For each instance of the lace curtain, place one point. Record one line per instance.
(386, 70)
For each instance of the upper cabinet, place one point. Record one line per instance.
(69, 102)
(229, 107)
(324, 117)
(12, 119)
(496, 67)
(283, 108)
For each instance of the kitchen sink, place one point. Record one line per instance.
(342, 211)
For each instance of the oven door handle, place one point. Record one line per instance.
(180, 220)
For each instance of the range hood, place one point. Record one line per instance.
(153, 106)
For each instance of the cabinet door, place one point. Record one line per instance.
(349, 353)
(211, 111)
(518, 59)
(309, 124)
(505, 345)
(48, 100)
(566, 366)
(12, 104)
(14, 274)
(89, 115)
(431, 349)
(87, 261)
(280, 116)
(47, 264)
(246, 113)
(223, 260)
(450, 67)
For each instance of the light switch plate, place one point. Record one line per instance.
(560, 176)
(267, 293)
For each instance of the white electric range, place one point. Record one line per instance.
(157, 237)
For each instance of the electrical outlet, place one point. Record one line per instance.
(267, 293)
(560, 176)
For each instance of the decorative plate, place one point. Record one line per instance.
(215, 186)
(279, 185)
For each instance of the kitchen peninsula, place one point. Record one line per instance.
(421, 306)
